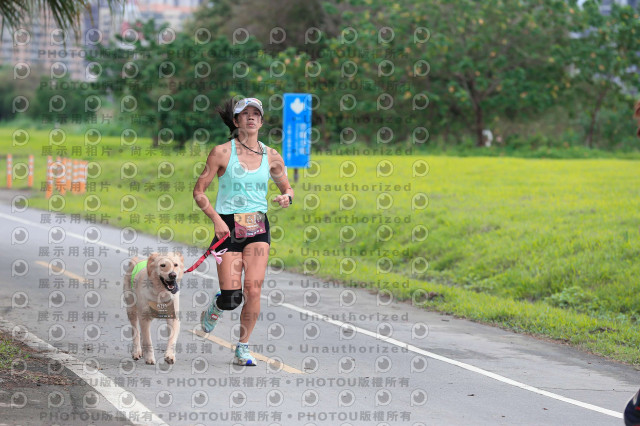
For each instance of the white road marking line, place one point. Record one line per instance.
(98, 381)
(82, 238)
(72, 234)
(463, 365)
(395, 342)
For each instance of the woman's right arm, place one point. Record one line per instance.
(206, 177)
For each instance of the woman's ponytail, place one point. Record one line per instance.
(226, 113)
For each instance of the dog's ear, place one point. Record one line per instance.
(132, 263)
(151, 263)
(181, 257)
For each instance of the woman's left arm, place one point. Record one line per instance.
(278, 173)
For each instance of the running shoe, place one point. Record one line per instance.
(209, 318)
(243, 356)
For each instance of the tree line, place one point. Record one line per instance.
(380, 72)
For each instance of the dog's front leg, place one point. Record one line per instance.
(147, 346)
(174, 327)
(136, 351)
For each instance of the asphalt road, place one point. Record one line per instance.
(330, 355)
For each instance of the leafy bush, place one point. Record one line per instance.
(569, 297)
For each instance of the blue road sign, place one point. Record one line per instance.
(296, 130)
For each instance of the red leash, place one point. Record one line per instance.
(208, 252)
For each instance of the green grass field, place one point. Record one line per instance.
(546, 247)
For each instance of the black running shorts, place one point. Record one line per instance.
(238, 244)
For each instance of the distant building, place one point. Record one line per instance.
(175, 12)
(40, 44)
(605, 5)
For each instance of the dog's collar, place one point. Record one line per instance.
(136, 269)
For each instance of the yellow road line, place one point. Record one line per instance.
(224, 343)
(67, 273)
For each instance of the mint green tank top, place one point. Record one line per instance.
(241, 190)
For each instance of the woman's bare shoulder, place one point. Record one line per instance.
(272, 152)
(221, 149)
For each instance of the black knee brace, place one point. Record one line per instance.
(229, 299)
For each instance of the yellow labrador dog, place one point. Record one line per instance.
(151, 291)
